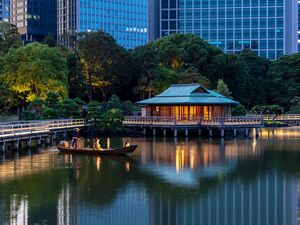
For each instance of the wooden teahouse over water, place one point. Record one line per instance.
(186, 102)
(190, 107)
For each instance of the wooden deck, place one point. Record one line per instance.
(224, 122)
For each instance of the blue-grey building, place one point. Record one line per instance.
(125, 20)
(4, 10)
(34, 18)
(268, 27)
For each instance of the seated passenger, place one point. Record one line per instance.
(98, 145)
(127, 144)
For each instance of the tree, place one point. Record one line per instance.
(69, 109)
(257, 68)
(77, 83)
(146, 60)
(94, 113)
(113, 119)
(192, 75)
(114, 102)
(223, 89)
(295, 108)
(50, 40)
(104, 63)
(239, 110)
(163, 78)
(49, 113)
(32, 71)
(52, 100)
(9, 37)
(284, 82)
(177, 50)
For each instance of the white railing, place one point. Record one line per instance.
(37, 127)
(282, 117)
(185, 121)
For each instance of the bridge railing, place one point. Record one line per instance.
(37, 127)
(186, 121)
(23, 129)
(282, 117)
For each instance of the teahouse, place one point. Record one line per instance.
(187, 102)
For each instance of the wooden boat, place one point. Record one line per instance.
(90, 151)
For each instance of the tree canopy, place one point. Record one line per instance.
(33, 70)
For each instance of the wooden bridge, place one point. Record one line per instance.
(224, 123)
(291, 119)
(20, 130)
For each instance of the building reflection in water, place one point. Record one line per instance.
(172, 185)
(267, 199)
(18, 210)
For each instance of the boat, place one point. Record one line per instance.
(90, 151)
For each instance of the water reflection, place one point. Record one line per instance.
(166, 181)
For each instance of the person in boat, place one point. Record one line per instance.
(98, 145)
(127, 144)
(75, 138)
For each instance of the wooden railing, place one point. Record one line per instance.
(282, 117)
(185, 121)
(22, 128)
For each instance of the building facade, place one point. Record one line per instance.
(268, 27)
(125, 20)
(34, 18)
(4, 10)
(298, 26)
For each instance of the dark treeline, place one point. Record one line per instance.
(95, 68)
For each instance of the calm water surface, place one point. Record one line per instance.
(188, 181)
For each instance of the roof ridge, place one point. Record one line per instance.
(192, 84)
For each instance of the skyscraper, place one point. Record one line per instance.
(125, 20)
(268, 27)
(34, 18)
(4, 10)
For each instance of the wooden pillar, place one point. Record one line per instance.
(199, 132)
(210, 132)
(3, 147)
(29, 142)
(164, 132)
(234, 132)
(222, 133)
(175, 132)
(17, 144)
(186, 132)
(154, 132)
(246, 132)
(40, 140)
(144, 132)
(65, 134)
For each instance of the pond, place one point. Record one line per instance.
(166, 181)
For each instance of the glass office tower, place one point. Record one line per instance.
(125, 20)
(34, 18)
(4, 10)
(268, 27)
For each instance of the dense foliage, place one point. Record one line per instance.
(52, 82)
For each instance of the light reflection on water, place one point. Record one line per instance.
(166, 181)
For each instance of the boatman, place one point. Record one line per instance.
(75, 138)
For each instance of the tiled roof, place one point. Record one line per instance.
(188, 94)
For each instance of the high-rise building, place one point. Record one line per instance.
(4, 10)
(34, 18)
(125, 20)
(268, 27)
(298, 25)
